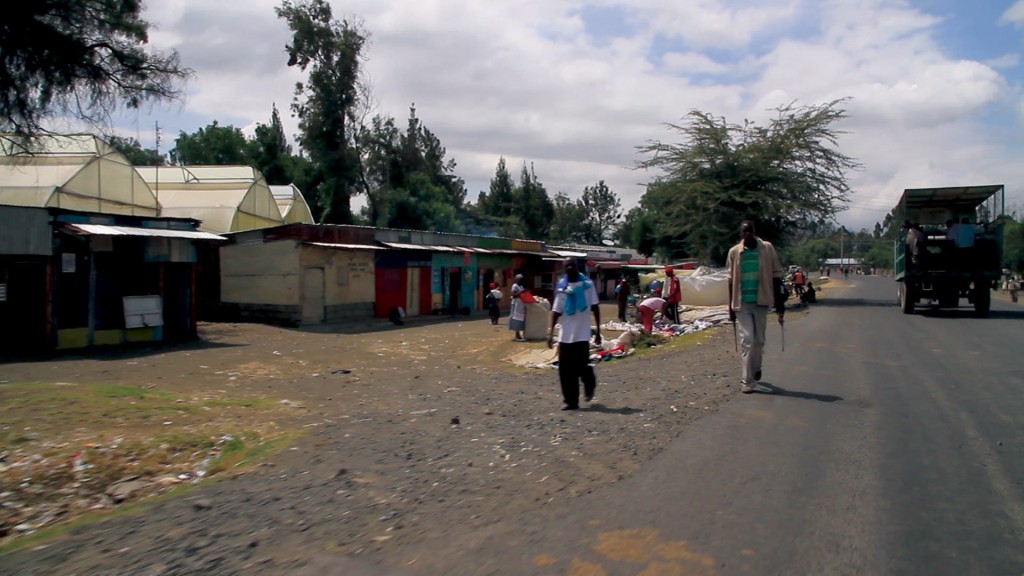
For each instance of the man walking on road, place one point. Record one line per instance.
(755, 283)
(574, 296)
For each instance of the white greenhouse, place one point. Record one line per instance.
(75, 172)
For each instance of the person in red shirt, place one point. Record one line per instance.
(799, 279)
(673, 294)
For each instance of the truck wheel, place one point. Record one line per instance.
(982, 299)
(906, 298)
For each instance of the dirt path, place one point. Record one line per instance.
(409, 433)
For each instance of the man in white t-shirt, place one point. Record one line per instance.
(575, 296)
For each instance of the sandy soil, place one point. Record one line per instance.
(406, 434)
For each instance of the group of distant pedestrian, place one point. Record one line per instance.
(755, 284)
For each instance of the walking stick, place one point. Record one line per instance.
(783, 328)
(735, 338)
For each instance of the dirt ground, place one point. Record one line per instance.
(392, 436)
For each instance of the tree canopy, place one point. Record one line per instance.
(135, 153)
(408, 181)
(270, 151)
(784, 176)
(568, 221)
(602, 212)
(212, 145)
(326, 104)
(80, 59)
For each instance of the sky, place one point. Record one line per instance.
(573, 87)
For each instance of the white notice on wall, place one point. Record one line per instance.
(143, 311)
(3, 292)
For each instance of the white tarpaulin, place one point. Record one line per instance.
(706, 287)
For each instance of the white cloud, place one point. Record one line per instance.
(528, 81)
(1014, 14)
(693, 63)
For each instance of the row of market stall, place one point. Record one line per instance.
(96, 251)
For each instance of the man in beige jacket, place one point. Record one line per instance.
(755, 283)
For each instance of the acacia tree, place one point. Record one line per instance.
(79, 59)
(326, 104)
(602, 211)
(785, 176)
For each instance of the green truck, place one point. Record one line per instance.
(949, 247)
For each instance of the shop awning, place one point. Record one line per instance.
(105, 230)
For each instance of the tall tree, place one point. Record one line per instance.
(1013, 244)
(407, 179)
(533, 205)
(499, 202)
(638, 231)
(214, 145)
(135, 153)
(270, 151)
(602, 211)
(80, 59)
(326, 103)
(785, 176)
(568, 223)
(498, 206)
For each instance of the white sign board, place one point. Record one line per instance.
(143, 311)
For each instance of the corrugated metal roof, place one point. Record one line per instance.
(568, 253)
(963, 197)
(105, 230)
(345, 246)
(402, 246)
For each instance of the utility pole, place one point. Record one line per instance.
(842, 262)
(159, 210)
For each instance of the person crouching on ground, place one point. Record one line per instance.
(648, 308)
(493, 300)
(755, 283)
(517, 315)
(809, 295)
(574, 296)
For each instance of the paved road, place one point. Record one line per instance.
(884, 444)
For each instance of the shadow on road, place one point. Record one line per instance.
(968, 313)
(121, 352)
(854, 302)
(625, 410)
(777, 391)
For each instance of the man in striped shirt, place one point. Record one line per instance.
(755, 283)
